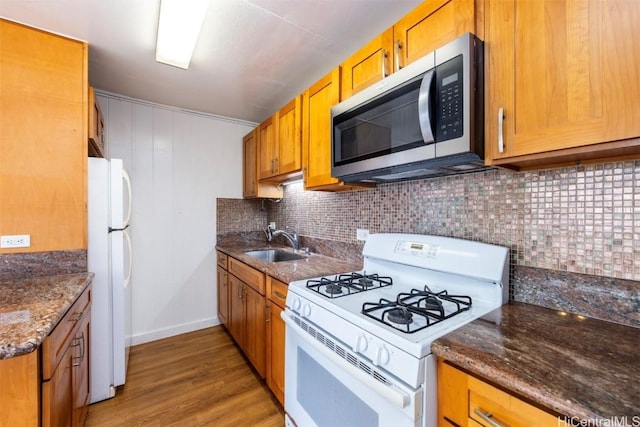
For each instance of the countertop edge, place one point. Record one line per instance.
(35, 340)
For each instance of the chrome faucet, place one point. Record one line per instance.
(292, 236)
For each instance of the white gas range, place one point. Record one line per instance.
(358, 345)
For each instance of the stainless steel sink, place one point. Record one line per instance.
(274, 255)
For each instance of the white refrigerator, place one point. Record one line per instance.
(109, 258)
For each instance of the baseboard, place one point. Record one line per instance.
(173, 330)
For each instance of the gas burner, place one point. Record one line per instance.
(439, 305)
(400, 315)
(333, 289)
(417, 309)
(347, 284)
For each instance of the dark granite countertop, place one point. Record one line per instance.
(573, 365)
(288, 271)
(31, 307)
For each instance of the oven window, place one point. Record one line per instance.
(327, 401)
(383, 126)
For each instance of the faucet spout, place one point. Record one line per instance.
(292, 237)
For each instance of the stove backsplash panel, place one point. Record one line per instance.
(580, 220)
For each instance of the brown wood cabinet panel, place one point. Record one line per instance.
(465, 400)
(251, 187)
(223, 295)
(369, 65)
(424, 29)
(566, 75)
(55, 345)
(268, 148)
(236, 319)
(96, 126)
(289, 131)
(43, 138)
(248, 275)
(277, 292)
(429, 26)
(80, 371)
(57, 394)
(255, 344)
(222, 259)
(20, 391)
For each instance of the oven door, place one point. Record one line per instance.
(328, 385)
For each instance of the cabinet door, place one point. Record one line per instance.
(236, 319)
(268, 148)
(80, 371)
(289, 127)
(561, 75)
(96, 126)
(250, 169)
(223, 296)
(57, 393)
(429, 26)
(251, 188)
(43, 138)
(367, 66)
(255, 344)
(275, 352)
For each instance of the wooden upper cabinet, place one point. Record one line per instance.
(564, 80)
(251, 188)
(267, 148)
(316, 136)
(427, 27)
(289, 126)
(96, 126)
(369, 65)
(280, 144)
(430, 25)
(43, 138)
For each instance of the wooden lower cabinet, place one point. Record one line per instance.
(65, 374)
(247, 312)
(223, 295)
(464, 400)
(49, 387)
(277, 293)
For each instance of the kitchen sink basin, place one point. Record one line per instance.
(274, 255)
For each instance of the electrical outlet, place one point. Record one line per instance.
(362, 234)
(17, 241)
(272, 225)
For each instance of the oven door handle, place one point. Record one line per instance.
(390, 393)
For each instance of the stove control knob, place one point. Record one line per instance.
(296, 304)
(382, 356)
(306, 310)
(361, 344)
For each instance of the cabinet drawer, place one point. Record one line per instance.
(489, 406)
(248, 275)
(277, 291)
(55, 345)
(223, 259)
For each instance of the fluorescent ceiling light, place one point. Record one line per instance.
(178, 29)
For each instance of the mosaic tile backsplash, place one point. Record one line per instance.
(582, 219)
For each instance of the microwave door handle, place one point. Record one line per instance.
(424, 106)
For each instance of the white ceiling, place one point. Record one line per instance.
(253, 56)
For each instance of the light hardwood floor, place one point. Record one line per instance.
(191, 380)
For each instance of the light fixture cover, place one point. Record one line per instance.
(178, 29)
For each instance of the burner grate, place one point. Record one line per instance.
(416, 310)
(348, 284)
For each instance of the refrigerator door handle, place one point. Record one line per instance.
(127, 239)
(125, 177)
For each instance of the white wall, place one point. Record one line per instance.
(179, 162)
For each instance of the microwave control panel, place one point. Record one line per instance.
(449, 99)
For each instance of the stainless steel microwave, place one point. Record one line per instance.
(424, 120)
